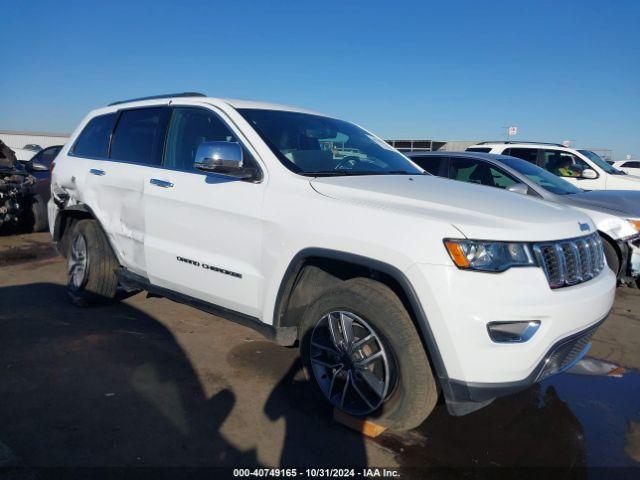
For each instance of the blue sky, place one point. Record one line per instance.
(559, 70)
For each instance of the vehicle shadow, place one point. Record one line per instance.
(106, 386)
(312, 438)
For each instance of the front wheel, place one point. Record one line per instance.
(363, 354)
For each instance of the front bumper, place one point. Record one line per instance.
(459, 305)
(560, 357)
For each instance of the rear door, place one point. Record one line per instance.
(203, 230)
(114, 185)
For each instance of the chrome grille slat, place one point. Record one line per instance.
(570, 262)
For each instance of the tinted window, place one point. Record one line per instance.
(472, 170)
(541, 177)
(46, 156)
(139, 136)
(433, 165)
(563, 164)
(631, 165)
(528, 154)
(315, 145)
(479, 149)
(189, 127)
(94, 139)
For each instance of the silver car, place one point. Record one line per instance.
(616, 213)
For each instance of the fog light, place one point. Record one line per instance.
(512, 332)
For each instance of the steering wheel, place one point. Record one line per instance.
(349, 162)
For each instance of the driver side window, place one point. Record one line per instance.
(563, 164)
(188, 128)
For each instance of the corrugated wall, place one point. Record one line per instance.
(20, 139)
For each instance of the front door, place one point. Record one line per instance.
(203, 230)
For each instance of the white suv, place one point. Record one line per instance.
(398, 286)
(583, 168)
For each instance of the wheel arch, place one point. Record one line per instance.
(65, 220)
(616, 249)
(314, 270)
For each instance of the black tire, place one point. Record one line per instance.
(39, 214)
(412, 393)
(611, 255)
(98, 283)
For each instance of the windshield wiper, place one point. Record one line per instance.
(341, 172)
(330, 173)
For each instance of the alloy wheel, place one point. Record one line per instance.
(350, 363)
(78, 261)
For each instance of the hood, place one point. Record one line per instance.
(477, 211)
(623, 182)
(624, 203)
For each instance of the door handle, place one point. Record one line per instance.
(95, 171)
(160, 183)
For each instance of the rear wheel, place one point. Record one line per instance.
(91, 265)
(363, 354)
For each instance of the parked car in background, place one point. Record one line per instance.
(582, 168)
(397, 286)
(40, 166)
(23, 154)
(18, 210)
(33, 147)
(632, 167)
(616, 213)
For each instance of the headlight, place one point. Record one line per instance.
(635, 224)
(489, 256)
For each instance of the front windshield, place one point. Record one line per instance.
(598, 160)
(541, 177)
(315, 145)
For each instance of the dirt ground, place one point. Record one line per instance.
(149, 382)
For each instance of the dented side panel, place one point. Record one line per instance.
(114, 191)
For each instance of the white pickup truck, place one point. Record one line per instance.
(396, 285)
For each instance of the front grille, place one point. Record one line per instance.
(565, 355)
(569, 262)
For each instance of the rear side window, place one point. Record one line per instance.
(433, 165)
(139, 136)
(478, 149)
(631, 165)
(93, 141)
(528, 154)
(472, 170)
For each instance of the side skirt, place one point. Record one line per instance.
(286, 336)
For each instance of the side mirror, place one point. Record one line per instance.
(221, 157)
(520, 188)
(589, 174)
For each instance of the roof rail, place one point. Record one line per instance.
(155, 97)
(507, 142)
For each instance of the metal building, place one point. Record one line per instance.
(44, 139)
(429, 145)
